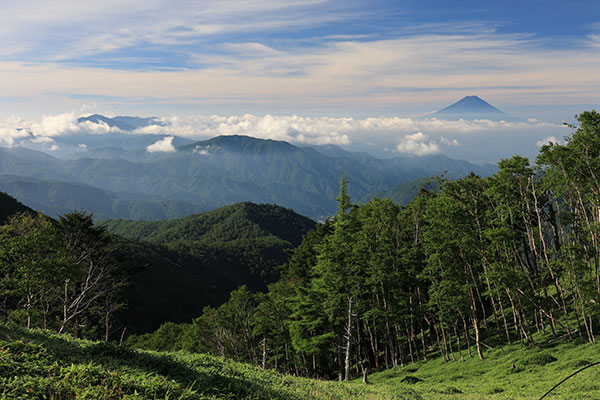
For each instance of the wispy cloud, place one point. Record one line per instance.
(338, 74)
(593, 40)
(449, 142)
(67, 29)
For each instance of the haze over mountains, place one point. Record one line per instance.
(136, 184)
(128, 167)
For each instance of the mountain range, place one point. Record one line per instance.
(126, 181)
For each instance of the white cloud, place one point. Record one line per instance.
(374, 134)
(594, 40)
(416, 144)
(111, 24)
(329, 74)
(42, 139)
(449, 142)
(323, 130)
(43, 130)
(204, 150)
(548, 140)
(10, 131)
(163, 145)
(8, 136)
(64, 124)
(326, 130)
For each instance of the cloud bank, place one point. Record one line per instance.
(416, 136)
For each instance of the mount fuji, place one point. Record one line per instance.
(471, 108)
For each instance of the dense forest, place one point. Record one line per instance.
(475, 263)
(63, 275)
(480, 262)
(74, 275)
(188, 263)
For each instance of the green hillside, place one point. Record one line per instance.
(508, 372)
(55, 198)
(39, 365)
(180, 266)
(192, 262)
(236, 222)
(10, 206)
(404, 193)
(227, 170)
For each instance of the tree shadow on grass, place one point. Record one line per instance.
(113, 358)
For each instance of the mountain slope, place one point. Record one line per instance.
(403, 193)
(231, 169)
(192, 262)
(40, 364)
(37, 364)
(235, 222)
(473, 107)
(55, 198)
(10, 206)
(123, 123)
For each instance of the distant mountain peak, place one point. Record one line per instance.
(471, 103)
(123, 123)
(473, 107)
(240, 144)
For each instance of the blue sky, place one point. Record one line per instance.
(314, 58)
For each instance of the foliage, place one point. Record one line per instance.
(482, 262)
(10, 206)
(189, 263)
(59, 275)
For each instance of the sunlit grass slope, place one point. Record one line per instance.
(509, 372)
(35, 365)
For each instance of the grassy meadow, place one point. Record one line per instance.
(35, 364)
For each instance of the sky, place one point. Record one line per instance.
(343, 72)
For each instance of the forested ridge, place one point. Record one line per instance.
(115, 177)
(192, 262)
(9, 206)
(73, 275)
(482, 263)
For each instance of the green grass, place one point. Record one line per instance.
(35, 364)
(535, 371)
(40, 365)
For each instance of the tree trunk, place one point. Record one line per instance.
(264, 353)
(348, 341)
